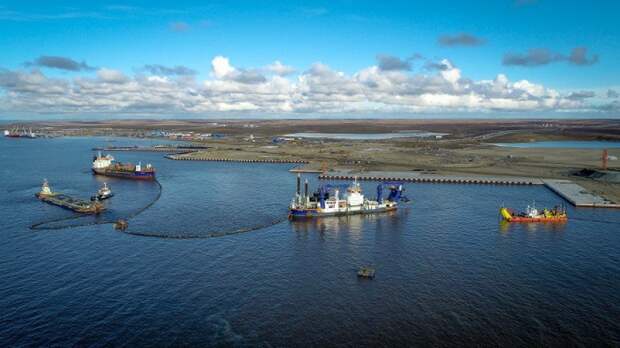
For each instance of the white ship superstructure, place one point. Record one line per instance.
(330, 200)
(102, 162)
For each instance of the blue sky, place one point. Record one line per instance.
(524, 40)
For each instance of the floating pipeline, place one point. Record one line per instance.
(206, 235)
(40, 226)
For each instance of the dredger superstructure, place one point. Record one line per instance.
(338, 200)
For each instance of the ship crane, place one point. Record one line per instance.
(324, 189)
(396, 191)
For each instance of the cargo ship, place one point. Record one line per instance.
(327, 200)
(16, 132)
(531, 214)
(105, 165)
(77, 205)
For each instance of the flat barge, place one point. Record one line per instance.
(59, 199)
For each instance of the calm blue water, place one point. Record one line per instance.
(565, 144)
(448, 273)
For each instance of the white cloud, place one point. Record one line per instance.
(111, 76)
(280, 69)
(318, 90)
(221, 67)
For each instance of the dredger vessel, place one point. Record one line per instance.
(337, 200)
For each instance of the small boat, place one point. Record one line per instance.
(121, 224)
(366, 272)
(103, 193)
(531, 214)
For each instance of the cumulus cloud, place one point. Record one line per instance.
(612, 94)
(543, 56)
(280, 69)
(319, 90)
(222, 69)
(461, 39)
(61, 63)
(391, 63)
(111, 76)
(441, 65)
(580, 95)
(179, 70)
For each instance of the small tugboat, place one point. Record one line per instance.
(67, 202)
(328, 202)
(103, 193)
(531, 214)
(121, 224)
(104, 165)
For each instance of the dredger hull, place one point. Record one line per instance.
(314, 213)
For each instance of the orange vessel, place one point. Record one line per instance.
(557, 214)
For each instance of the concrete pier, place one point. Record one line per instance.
(167, 149)
(431, 178)
(568, 190)
(577, 195)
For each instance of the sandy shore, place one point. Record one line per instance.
(466, 150)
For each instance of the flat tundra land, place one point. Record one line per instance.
(467, 149)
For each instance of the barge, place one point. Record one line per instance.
(105, 165)
(59, 199)
(327, 201)
(531, 214)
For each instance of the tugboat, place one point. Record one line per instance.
(67, 202)
(103, 193)
(104, 165)
(531, 214)
(326, 201)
